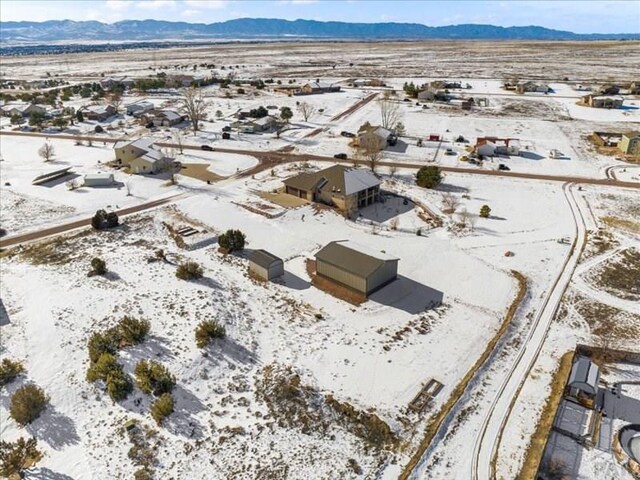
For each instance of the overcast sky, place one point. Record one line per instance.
(575, 16)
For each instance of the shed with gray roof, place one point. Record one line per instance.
(355, 266)
(265, 265)
(584, 378)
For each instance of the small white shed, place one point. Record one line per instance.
(99, 180)
(265, 265)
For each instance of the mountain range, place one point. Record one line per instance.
(263, 28)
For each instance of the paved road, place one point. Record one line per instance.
(15, 240)
(272, 158)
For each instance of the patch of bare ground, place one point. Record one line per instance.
(295, 405)
(605, 322)
(620, 276)
(631, 226)
(598, 243)
(54, 251)
(199, 171)
(526, 108)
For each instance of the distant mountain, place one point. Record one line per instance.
(257, 28)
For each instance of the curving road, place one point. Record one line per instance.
(488, 438)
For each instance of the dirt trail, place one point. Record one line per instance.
(65, 227)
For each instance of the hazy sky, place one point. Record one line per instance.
(576, 16)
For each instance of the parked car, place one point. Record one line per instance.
(347, 134)
(341, 156)
(449, 151)
(226, 128)
(502, 166)
(226, 136)
(464, 158)
(208, 148)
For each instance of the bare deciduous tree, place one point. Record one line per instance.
(47, 152)
(463, 217)
(115, 98)
(195, 105)
(473, 219)
(177, 136)
(370, 151)
(450, 203)
(306, 110)
(389, 111)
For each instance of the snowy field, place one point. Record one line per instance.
(275, 323)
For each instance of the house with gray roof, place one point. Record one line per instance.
(141, 156)
(355, 266)
(139, 108)
(318, 86)
(99, 113)
(345, 188)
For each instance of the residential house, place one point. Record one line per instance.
(265, 266)
(630, 143)
(263, 124)
(179, 81)
(427, 95)
(139, 108)
(126, 82)
(603, 101)
(21, 109)
(375, 135)
(608, 90)
(606, 139)
(99, 113)
(526, 87)
(164, 118)
(584, 378)
(368, 82)
(491, 146)
(345, 188)
(141, 156)
(355, 266)
(318, 86)
(255, 125)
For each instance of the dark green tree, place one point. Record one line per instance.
(429, 176)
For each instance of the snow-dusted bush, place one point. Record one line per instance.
(27, 403)
(154, 378)
(9, 370)
(189, 271)
(133, 330)
(162, 408)
(18, 456)
(98, 267)
(207, 330)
